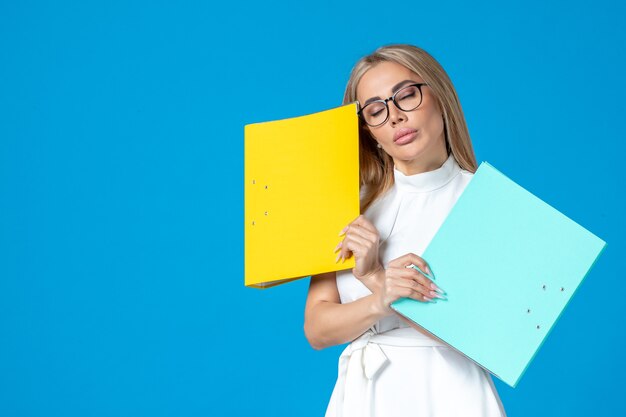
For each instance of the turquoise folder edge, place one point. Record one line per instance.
(423, 313)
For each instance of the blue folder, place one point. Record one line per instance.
(509, 263)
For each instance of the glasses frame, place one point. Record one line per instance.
(392, 98)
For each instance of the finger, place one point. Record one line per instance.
(357, 234)
(343, 251)
(340, 248)
(416, 260)
(414, 293)
(411, 278)
(424, 271)
(401, 261)
(411, 273)
(416, 286)
(411, 258)
(356, 245)
(364, 233)
(346, 247)
(364, 223)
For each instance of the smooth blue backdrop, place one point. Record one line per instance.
(121, 187)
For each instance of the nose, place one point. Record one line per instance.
(395, 114)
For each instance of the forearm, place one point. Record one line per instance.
(331, 324)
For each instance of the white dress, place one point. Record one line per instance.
(393, 369)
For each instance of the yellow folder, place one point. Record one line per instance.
(301, 189)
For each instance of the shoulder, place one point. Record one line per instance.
(464, 177)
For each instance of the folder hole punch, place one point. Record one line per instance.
(538, 327)
(562, 289)
(252, 222)
(253, 181)
(544, 286)
(528, 310)
(266, 187)
(266, 213)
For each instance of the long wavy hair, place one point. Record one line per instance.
(376, 166)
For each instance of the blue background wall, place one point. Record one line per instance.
(121, 187)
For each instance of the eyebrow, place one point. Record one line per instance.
(393, 89)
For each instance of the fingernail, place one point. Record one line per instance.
(423, 272)
(434, 294)
(343, 231)
(343, 259)
(337, 258)
(338, 246)
(436, 288)
(428, 299)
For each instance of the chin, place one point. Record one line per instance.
(413, 150)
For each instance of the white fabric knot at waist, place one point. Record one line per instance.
(361, 362)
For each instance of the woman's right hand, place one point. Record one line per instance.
(401, 281)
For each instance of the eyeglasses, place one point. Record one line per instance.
(407, 98)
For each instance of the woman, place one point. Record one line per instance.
(415, 159)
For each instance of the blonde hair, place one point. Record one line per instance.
(376, 166)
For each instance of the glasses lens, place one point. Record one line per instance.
(375, 113)
(409, 98)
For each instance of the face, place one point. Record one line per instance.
(421, 151)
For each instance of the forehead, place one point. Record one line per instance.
(380, 79)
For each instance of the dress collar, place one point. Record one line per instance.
(427, 181)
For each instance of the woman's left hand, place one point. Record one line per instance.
(362, 240)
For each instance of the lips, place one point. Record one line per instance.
(403, 132)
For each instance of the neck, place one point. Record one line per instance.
(423, 164)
